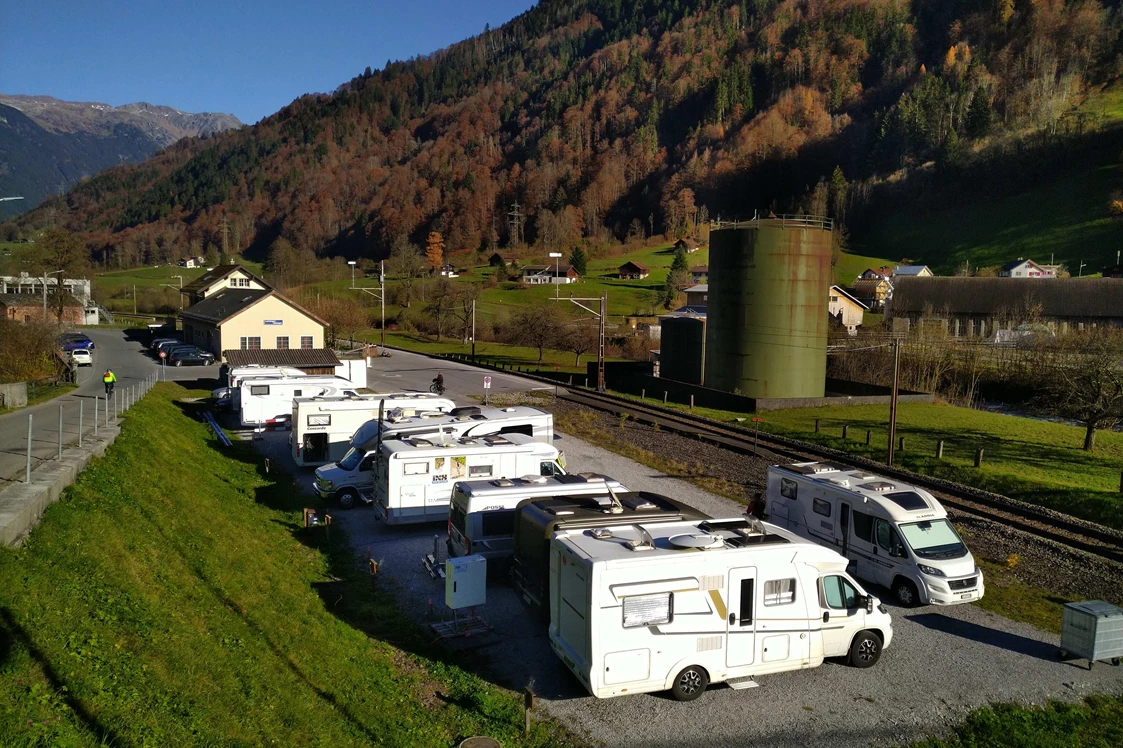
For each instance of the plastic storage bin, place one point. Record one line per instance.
(1092, 630)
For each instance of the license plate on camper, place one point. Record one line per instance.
(967, 596)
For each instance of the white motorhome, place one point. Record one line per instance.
(680, 605)
(322, 427)
(413, 481)
(351, 477)
(481, 517)
(895, 534)
(264, 400)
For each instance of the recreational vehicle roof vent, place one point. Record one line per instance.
(862, 475)
(503, 483)
(840, 482)
(533, 479)
(637, 503)
(465, 410)
(417, 441)
(909, 500)
(495, 439)
(643, 543)
(715, 525)
(879, 485)
(814, 468)
(583, 478)
(704, 541)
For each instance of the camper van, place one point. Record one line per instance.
(351, 477)
(322, 427)
(676, 606)
(537, 521)
(413, 481)
(481, 516)
(893, 533)
(262, 400)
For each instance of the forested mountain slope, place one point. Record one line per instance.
(603, 118)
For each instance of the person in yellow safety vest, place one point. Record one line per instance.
(108, 379)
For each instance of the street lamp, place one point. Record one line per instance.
(555, 255)
(352, 264)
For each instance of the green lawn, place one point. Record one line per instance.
(1097, 722)
(1034, 461)
(173, 597)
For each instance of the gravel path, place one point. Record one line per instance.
(942, 662)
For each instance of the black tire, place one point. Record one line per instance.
(905, 593)
(690, 683)
(865, 650)
(347, 498)
(208, 361)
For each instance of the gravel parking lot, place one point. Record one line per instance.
(943, 662)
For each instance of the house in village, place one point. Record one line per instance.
(919, 271)
(1020, 268)
(884, 272)
(221, 278)
(700, 273)
(25, 307)
(250, 319)
(687, 244)
(845, 310)
(979, 307)
(536, 275)
(698, 296)
(873, 292)
(633, 271)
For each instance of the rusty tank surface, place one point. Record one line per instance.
(766, 331)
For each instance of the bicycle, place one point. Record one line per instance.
(437, 388)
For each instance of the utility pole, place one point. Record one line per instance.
(225, 242)
(893, 400)
(473, 329)
(45, 275)
(134, 298)
(601, 316)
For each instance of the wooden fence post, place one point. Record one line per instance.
(979, 457)
(869, 437)
(901, 444)
(816, 425)
(845, 430)
(940, 449)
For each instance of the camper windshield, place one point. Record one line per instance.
(933, 539)
(351, 460)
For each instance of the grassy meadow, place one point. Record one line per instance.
(173, 597)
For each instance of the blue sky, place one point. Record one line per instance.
(246, 58)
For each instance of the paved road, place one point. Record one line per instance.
(114, 349)
(411, 371)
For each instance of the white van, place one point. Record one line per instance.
(262, 400)
(481, 516)
(676, 606)
(322, 427)
(413, 481)
(351, 477)
(895, 534)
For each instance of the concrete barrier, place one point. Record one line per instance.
(22, 504)
(13, 395)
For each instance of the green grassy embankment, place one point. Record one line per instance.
(491, 353)
(1095, 723)
(172, 597)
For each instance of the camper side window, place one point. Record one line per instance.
(648, 610)
(887, 539)
(779, 592)
(788, 488)
(259, 389)
(863, 526)
(479, 471)
(500, 523)
(320, 419)
(415, 468)
(821, 507)
(839, 594)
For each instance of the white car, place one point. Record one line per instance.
(82, 357)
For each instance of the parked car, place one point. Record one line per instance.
(166, 346)
(191, 357)
(82, 357)
(72, 341)
(155, 343)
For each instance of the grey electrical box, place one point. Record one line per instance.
(1092, 630)
(465, 581)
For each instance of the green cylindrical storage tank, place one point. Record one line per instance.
(682, 348)
(767, 309)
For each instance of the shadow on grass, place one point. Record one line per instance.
(12, 634)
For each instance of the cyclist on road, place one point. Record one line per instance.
(439, 383)
(108, 379)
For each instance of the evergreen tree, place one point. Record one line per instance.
(680, 263)
(979, 113)
(579, 260)
(211, 257)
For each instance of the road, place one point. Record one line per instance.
(114, 349)
(412, 371)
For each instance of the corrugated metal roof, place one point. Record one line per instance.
(295, 357)
(1056, 297)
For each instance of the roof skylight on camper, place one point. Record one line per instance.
(715, 525)
(880, 486)
(637, 503)
(909, 500)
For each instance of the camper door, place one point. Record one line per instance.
(740, 646)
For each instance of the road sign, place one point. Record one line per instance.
(163, 354)
(487, 383)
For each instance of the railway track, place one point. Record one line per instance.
(1054, 526)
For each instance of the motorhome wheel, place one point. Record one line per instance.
(690, 683)
(865, 650)
(905, 592)
(347, 498)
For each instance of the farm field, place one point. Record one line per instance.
(1035, 461)
(206, 614)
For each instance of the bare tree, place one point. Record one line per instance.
(1083, 380)
(579, 339)
(405, 265)
(536, 327)
(442, 302)
(466, 296)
